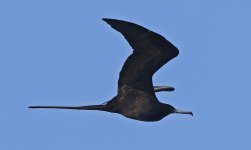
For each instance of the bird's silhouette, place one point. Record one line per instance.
(136, 97)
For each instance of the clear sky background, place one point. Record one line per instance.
(59, 52)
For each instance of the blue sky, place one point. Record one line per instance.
(58, 52)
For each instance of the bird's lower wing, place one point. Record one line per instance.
(163, 88)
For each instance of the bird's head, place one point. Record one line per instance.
(170, 109)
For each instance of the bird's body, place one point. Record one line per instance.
(136, 97)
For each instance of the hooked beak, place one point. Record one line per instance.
(182, 112)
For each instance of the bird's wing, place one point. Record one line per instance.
(150, 52)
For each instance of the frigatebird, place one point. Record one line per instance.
(136, 97)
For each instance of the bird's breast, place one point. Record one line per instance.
(143, 112)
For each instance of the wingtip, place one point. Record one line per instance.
(111, 21)
(107, 19)
(104, 19)
(35, 107)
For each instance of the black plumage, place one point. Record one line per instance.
(136, 97)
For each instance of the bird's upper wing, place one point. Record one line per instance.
(150, 52)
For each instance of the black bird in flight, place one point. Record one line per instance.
(136, 97)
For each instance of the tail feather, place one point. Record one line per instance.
(90, 107)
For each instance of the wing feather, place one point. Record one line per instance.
(150, 52)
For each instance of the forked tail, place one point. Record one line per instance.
(90, 107)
